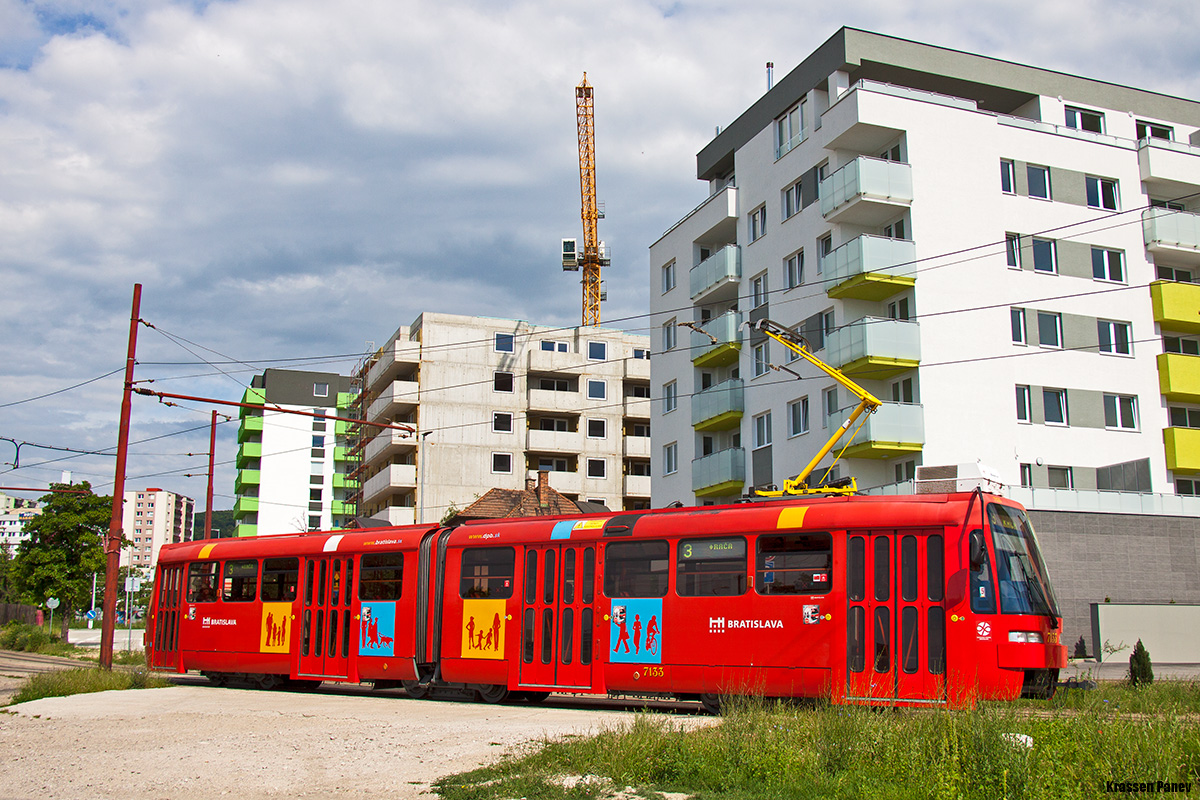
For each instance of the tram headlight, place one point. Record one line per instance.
(1025, 637)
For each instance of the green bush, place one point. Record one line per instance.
(22, 636)
(82, 681)
(1141, 672)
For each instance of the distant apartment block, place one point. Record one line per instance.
(151, 518)
(14, 513)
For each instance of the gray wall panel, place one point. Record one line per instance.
(1074, 259)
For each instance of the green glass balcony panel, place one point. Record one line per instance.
(875, 348)
(727, 332)
(895, 429)
(722, 473)
(722, 268)
(719, 407)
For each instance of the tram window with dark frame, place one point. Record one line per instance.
(711, 567)
(240, 584)
(636, 569)
(280, 576)
(796, 563)
(381, 576)
(487, 572)
(202, 581)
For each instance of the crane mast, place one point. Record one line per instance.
(590, 258)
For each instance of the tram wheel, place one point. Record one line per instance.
(298, 685)
(415, 690)
(268, 681)
(492, 693)
(711, 703)
(535, 697)
(216, 678)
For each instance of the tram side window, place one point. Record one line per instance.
(488, 572)
(798, 563)
(280, 578)
(241, 581)
(711, 567)
(381, 576)
(202, 582)
(636, 569)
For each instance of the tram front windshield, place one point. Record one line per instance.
(1024, 587)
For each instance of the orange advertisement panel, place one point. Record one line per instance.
(483, 629)
(276, 628)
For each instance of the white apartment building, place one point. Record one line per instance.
(293, 468)
(493, 401)
(151, 518)
(14, 513)
(1005, 255)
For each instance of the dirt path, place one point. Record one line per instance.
(200, 742)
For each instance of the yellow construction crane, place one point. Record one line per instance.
(867, 403)
(592, 257)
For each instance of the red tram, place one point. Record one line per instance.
(927, 599)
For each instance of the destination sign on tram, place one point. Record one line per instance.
(712, 550)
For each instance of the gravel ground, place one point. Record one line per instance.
(204, 742)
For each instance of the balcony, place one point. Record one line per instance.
(553, 441)
(246, 529)
(875, 348)
(1179, 377)
(867, 191)
(716, 277)
(248, 426)
(398, 515)
(343, 481)
(550, 400)
(246, 477)
(248, 452)
(566, 482)
(727, 330)
(400, 397)
(244, 506)
(341, 508)
(715, 218)
(720, 407)
(400, 357)
(870, 268)
(1183, 449)
(636, 446)
(637, 407)
(895, 429)
(637, 369)
(637, 486)
(1172, 237)
(1169, 169)
(722, 473)
(1176, 306)
(388, 443)
(552, 361)
(392, 479)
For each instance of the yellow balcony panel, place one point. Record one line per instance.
(873, 286)
(1179, 377)
(881, 449)
(722, 422)
(878, 368)
(1176, 305)
(1183, 449)
(721, 489)
(721, 355)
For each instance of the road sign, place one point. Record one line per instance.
(52, 603)
(91, 614)
(133, 584)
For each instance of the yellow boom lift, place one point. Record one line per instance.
(867, 403)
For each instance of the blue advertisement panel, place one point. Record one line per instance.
(635, 631)
(377, 629)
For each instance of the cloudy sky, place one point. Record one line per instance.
(293, 179)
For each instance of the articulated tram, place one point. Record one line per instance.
(917, 600)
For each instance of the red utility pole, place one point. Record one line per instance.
(112, 545)
(212, 449)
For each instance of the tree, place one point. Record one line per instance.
(7, 592)
(1141, 671)
(65, 547)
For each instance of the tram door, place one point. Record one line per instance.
(166, 619)
(896, 632)
(325, 623)
(557, 618)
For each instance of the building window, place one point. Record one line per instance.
(831, 405)
(1153, 130)
(1185, 345)
(1101, 193)
(1083, 120)
(793, 269)
(597, 428)
(905, 470)
(758, 223)
(504, 342)
(320, 390)
(1054, 403)
(670, 397)
(1049, 329)
(553, 465)
(597, 468)
(1039, 181)
(761, 359)
(758, 290)
(1060, 477)
(1018, 325)
(798, 417)
(793, 200)
(1044, 259)
(549, 346)
(554, 385)
(318, 441)
(1027, 476)
(641, 354)
(899, 309)
(502, 463)
(902, 391)
(762, 430)
(1023, 404)
(1012, 250)
(895, 230)
(1120, 412)
(824, 248)
(668, 277)
(597, 390)
(1008, 177)
(668, 335)
(670, 458)
(1172, 274)
(597, 351)
(1114, 337)
(789, 130)
(1108, 265)
(1187, 486)
(502, 382)
(502, 422)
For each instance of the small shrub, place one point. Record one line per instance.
(23, 637)
(1080, 648)
(82, 681)
(1141, 671)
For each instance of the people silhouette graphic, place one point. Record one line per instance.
(637, 632)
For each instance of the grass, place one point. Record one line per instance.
(760, 751)
(82, 681)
